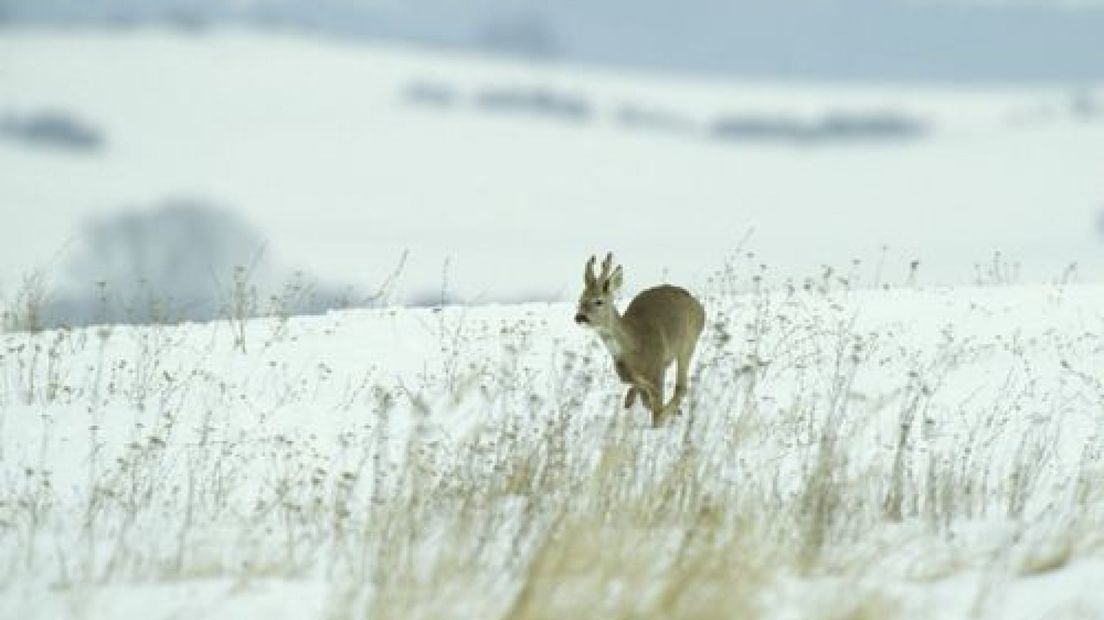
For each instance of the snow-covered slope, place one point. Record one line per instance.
(345, 155)
(899, 453)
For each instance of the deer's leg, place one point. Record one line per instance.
(658, 410)
(649, 389)
(630, 397)
(682, 380)
(649, 394)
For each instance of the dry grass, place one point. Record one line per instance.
(815, 448)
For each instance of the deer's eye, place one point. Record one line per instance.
(597, 302)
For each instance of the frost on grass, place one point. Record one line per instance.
(843, 454)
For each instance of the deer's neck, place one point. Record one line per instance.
(617, 338)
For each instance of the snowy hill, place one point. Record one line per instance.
(901, 453)
(858, 442)
(498, 176)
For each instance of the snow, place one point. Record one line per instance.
(1001, 380)
(859, 442)
(317, 143)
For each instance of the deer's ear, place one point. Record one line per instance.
(613, 282)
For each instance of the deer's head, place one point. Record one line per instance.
(596, 303)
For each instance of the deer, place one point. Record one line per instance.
(660, 325)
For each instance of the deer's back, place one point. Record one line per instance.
(667, 315)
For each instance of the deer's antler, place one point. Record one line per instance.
(601, 278)
(607, 268)
(588, 273)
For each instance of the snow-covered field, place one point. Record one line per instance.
(859, 442)
(346, 155)
(901, 452)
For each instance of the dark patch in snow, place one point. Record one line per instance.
(53, 129)
(834, 127)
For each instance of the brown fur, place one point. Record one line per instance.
(660, 326)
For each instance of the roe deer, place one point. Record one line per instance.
(661, 325)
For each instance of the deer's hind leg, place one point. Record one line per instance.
(655, 402)
(682, 379)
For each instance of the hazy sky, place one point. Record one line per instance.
(879, 40)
